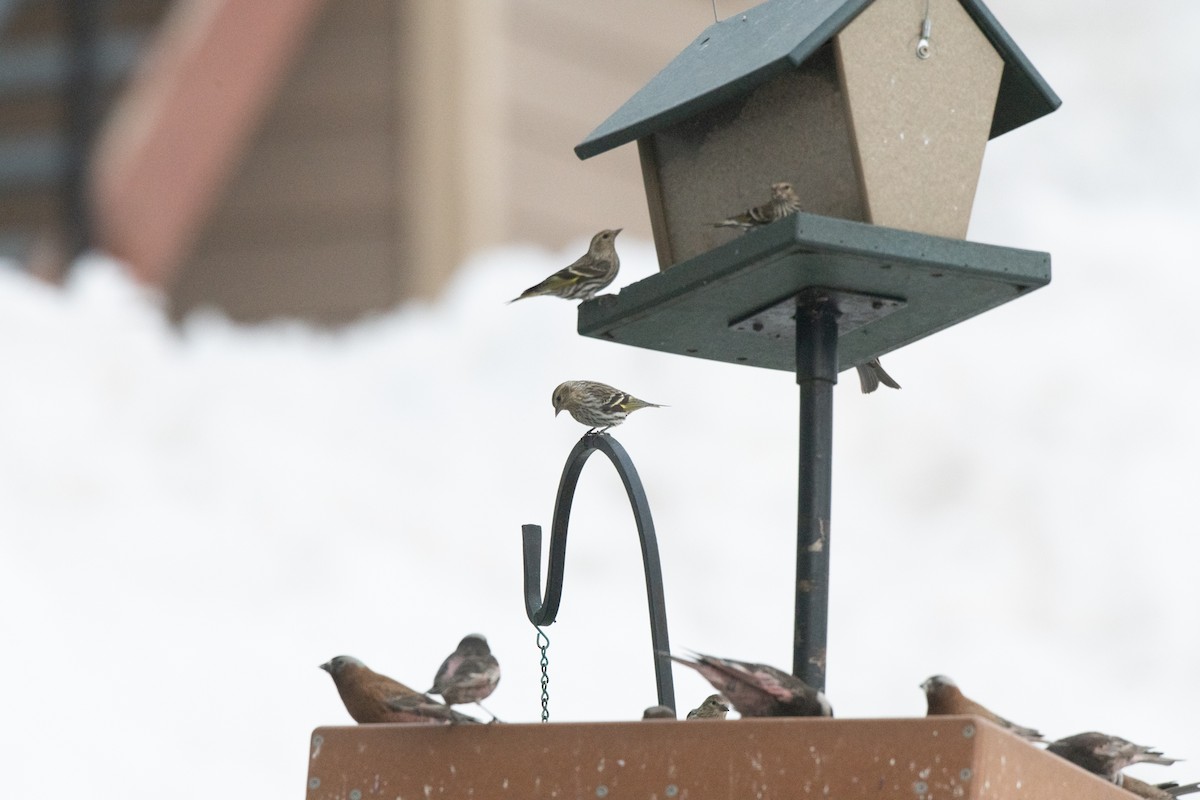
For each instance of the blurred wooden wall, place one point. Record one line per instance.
(407, 134)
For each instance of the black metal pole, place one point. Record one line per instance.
(816, 372)
(81, 101)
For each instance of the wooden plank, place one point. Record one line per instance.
(767, 759)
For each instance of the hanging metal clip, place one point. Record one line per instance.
(923, 48)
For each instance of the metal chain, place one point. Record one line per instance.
(543, 643)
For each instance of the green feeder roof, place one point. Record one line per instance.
(734, 56)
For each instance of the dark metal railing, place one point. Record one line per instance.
(543, 612)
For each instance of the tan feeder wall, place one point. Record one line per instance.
(864, 130)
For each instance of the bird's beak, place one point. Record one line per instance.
(615, 232)
(556, 411)
(327, 666)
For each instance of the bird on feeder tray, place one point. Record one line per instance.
(469, 674)
(759, 690)
(871, 374)
(1105, 755)
(944, 697)
(596, 404)
(371, 697)
(783, 202)
(594, 270)
(713, 707)
(1160, 791)
(659, 712)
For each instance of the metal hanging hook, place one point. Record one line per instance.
(541, 611)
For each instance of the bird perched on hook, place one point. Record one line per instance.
(759, 690)
(371, 697)
(782, 203)
(871, 374)
(596, 404)
(594, 270)
(469, 674)
(1105, 755)
(1159, 791)
(944, 697)
(713, 707)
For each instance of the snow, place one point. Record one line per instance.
(193, 519)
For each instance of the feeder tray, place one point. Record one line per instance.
(922, 759)
(736, 303)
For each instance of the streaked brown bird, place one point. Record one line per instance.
(783, 202)
(1157, 791)
(596, 404)
(713, 707)
(594, 270)
(469, 674)
(944, 697)
(371, 697)
(871, 374)
(1105, 755)
(659, 712)
(759, 690)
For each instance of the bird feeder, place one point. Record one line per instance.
(877, 112)
(874, 111)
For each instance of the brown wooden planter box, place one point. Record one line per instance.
(760, 759)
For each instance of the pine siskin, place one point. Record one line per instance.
(1105, 755)
(594, 270)
(596, 404)
(871, 374)
(713, 707)
(783, 202)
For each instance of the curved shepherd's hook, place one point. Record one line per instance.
(543, 613)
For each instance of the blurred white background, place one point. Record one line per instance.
(193, 520)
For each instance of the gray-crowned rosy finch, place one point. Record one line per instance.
(469, 674)
(597, 405)
(371, 697)
(594, 270)
(943, 696)
(760, 690)
(783, 202)
(1105, 755)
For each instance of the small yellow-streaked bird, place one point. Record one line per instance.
(594, 270)
(871, 374)
(713, 707)
(783, 202)
(596, 404)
